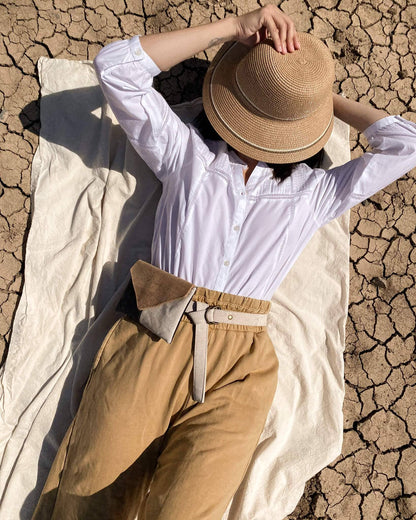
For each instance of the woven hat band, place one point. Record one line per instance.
(284, 87)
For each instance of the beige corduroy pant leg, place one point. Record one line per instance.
(140, 445)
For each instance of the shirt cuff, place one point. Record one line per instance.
(138, 53)
(377, 125)
(121, 52)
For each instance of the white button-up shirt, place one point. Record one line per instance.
(211, 228)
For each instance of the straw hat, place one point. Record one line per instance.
(270, 106)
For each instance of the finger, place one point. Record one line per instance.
(291, 37)
(274, 33)
(283, 32)
(268, 21)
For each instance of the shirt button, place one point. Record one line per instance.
(138, 51)
(242, 193)
(236, 228)
(226, 262)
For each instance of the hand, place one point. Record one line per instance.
(255, 26)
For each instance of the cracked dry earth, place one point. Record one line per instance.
(374, 45)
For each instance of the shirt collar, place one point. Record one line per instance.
(228, 161)
(236, 159)
(226, 156)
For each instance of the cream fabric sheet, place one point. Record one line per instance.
(93, 204)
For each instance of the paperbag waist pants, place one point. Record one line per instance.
(140, 447)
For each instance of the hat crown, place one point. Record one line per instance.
(271, 106)
(286, 86)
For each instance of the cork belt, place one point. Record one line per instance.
(201, 314)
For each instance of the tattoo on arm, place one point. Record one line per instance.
(216, 41)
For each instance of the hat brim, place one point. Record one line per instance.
(250, 131)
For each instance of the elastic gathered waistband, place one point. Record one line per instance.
(233, 302)
(154, 285)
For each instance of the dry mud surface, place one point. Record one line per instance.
(375, 46)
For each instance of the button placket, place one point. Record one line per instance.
(231, 243)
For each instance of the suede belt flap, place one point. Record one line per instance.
(161, 298)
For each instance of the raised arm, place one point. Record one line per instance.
(392, 139)
(169, 48)
(359, 115)
(125, 70)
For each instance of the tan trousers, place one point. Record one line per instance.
(140, 445)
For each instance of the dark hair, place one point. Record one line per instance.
(280, 171)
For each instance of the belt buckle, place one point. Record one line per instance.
(208, 309)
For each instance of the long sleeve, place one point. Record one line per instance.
(393, 142)
(125, 73)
